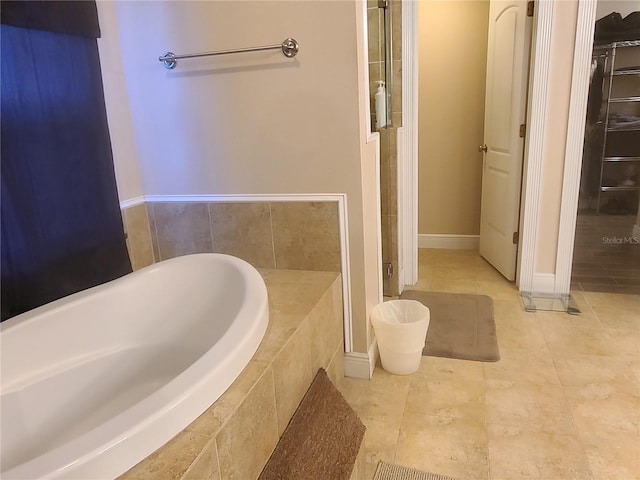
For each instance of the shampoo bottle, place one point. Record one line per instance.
(381, 106)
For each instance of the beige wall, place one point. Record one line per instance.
(560, 71)
(452, 71)
(255, 123)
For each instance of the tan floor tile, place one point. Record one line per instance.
(447, 368)
(449, 272)
(448, 446)
(613, 316)
(380, 404)
(612, 454)
(453, 286)
(516, 453)
(445, 397)
(534, 428)
(565, 339)
(539, 408)
(517, 329)
(586, 319)
(498, 290)
(523, 366)
(485, 272)
(624, 342)
(604, 299)
(612, 373)
(615, 463)
(634, 366)
(375, 456)
(597, 410)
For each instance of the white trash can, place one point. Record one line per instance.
(401, 329)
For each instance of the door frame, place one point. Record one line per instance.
(575, 144)
(526, 278)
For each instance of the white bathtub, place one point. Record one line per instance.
(95, 382)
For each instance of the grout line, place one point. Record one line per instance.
(273, 242)
(157, 237)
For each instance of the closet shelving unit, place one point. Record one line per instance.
(613, 74)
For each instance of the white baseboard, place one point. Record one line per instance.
(544, 283)
(132, 202)
(457, 242)
(361, 365)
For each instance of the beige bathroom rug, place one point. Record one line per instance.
(461, 325)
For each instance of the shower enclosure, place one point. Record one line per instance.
(385, 53)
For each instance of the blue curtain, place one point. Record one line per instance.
(61, 223)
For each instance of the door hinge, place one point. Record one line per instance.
(530, 9)
(523, 130)
(383, 3)
(387, 269)
(516, 238)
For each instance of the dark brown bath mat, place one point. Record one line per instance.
(461, 325)
(322, 439)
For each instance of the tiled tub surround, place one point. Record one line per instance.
(292, 235)
(234, 438)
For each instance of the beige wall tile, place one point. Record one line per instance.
(292, 296)
(373, 26)
(292, 374)
(326, 331)
(243, 230)
(182, 228)
(335, 370)
(248, 439)
(396, 91)
(205, 466)
(138, 236)
(396, 29)
(171, 461)
(306, 235)
(216, 415)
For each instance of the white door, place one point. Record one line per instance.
(505, 109)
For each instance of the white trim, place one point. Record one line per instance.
(369, 140)
(409, 169)
(132, 202)
(457, 242)
(259, 197)
(543, 283)
(534, 144)
(361, 365)
(401, 210)
(340, 198)
(575, 142)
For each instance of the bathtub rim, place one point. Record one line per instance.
(116, 449)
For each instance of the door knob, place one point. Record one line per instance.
(482, 148)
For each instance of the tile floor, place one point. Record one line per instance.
(563, 402)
